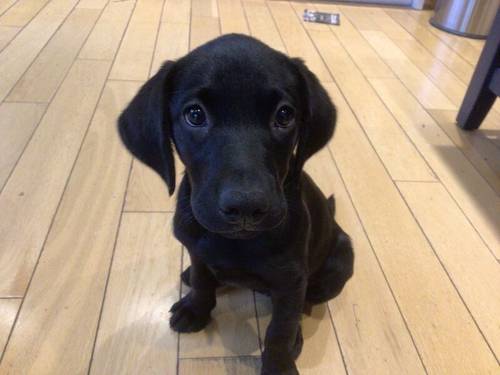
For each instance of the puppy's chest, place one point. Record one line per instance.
(239, 277)
(235, 264)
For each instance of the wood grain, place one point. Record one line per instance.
(416, 81)
(453, 169)
(22, 12)
(462, 252)
(432, 43)
(173, 43)
(31, 195)
(17, 123)
(476, 146)
(421, 287)
(8, 312)
(41, 80)
(104, 39)
(296, 40)
(232, 17)
(321, 352)
(18, 55)
(232, 331)
(66, 293)
(147, 191)
(398, 154)
(133, 59)
(262, 25)
(358, 48)
(371, 331)
(220, 366)
(7, 33)
(5, 5)
(134, 333)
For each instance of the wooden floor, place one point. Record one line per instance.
(88, 264)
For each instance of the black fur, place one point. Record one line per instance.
(246, 211)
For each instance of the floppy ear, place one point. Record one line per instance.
(318, 123)
(145, 130)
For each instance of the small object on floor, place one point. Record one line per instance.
(321, 17)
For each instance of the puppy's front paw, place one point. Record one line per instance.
(185, 317)
(274, 371)
(278, 364)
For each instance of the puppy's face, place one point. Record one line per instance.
(235, 115)
(244, 119)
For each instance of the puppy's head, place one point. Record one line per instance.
(243, 117)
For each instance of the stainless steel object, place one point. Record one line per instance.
(471, 18)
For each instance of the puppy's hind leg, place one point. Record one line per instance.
(329, 280)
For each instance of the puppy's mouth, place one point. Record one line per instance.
(241, 234)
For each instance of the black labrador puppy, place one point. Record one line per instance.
(244, 119)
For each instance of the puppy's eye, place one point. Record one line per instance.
(194, 115)
(284, 116)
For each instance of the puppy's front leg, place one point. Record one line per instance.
(192, 312)
(283, 342)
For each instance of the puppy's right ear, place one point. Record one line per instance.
(145, 129)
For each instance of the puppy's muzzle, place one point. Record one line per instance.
(245, 209)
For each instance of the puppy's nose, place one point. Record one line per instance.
(239, 207)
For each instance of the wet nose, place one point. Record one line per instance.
(243, 207)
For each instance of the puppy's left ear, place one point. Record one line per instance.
(319, 119)
(145, 129)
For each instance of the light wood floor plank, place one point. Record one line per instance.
(358, 48)
(8, 312)
(220, 366)
(136, 51)
(320, 353)
(177, 11)
(19, 54)
(172, 44)
(104, 39)
(435, 46)
(92, 4)
(41, 80)
(6, 5)
(262, 25)
(66, 293)
(7, 33)
(205, 23)
(371, 330)
(17, 123)
(232, 17)
(204, 8)
(203, 29)
(437, 72)
(22, 12)
(416, 81)
(232, 331)
(31, 195)
(398, 154)
(134, 334)
(147, 191)
(476, 198)
(374, 19)
(448, 343)
(459, 44)
(475, 145)
(468, 261)
(296, 40)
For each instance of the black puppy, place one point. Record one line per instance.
(244, 119)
